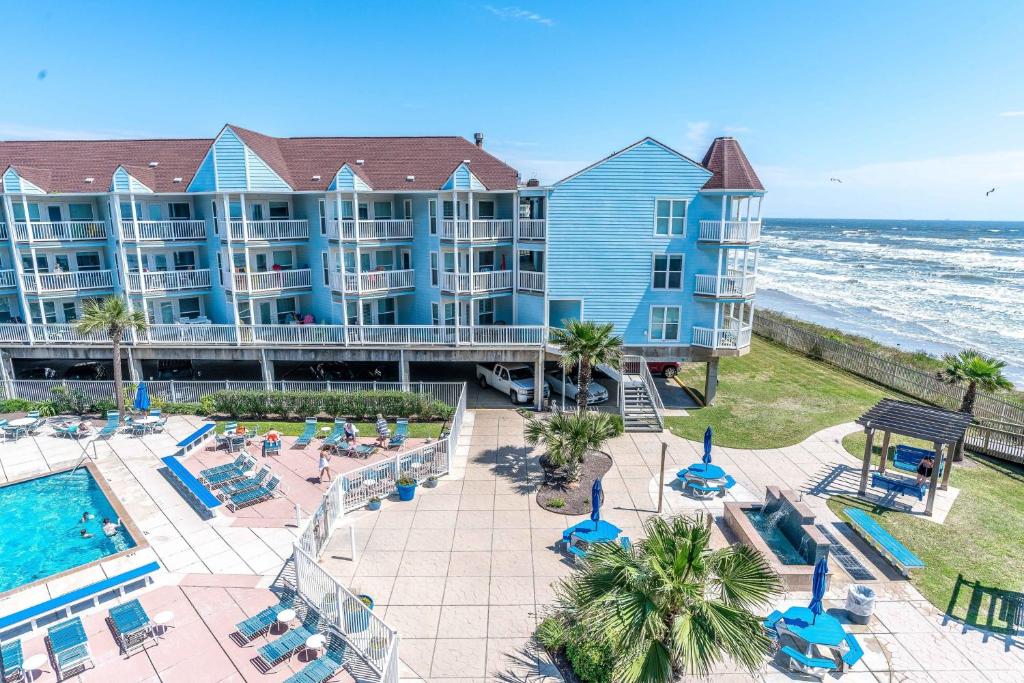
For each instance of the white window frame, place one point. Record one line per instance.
(391, 210)
(668, 271)
(432, 207)
(407, 209)
(672, 201)
(650, 323)
(435, 269)
(321, 205)
(435, 313)
(327, 269)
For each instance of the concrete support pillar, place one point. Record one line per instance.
(403, 370)
(957, 455)
(538, 381)
(267, 368)
(941, 455)
(711, 382)
(7, 375)
(134, 367)
(885, 452)
(866, 466)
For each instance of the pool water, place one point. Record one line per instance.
(767, 527)
(40, 527)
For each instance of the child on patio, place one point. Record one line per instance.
(924, 468)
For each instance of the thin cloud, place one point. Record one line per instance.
(15, 131)
(519, 14)
(1011, 114)
(736, 129)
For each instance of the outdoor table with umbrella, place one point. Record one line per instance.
(704, 473)
(593, 530)
(142, 403)
(812, 625)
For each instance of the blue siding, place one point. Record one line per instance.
(262, 178)
(463, 179)
(205, 179)
(123, 181)
(530, 309)
(229, 161)
(15, 183)
(347, 181)
(601, 222)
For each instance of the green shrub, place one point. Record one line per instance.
(171, 408)
(69, 401)
(16, 405)
(556, 503)
(358, 405)
(591, 658)
(104, 406)
(551, 633)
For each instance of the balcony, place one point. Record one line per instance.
(163, 231)
(731, 338)
(3, 231)
(8, 279)
(531, 281)
(272, 281)
(267, 231)
(370, 231)
(169, 281)
(374, 282)
(67, 282)
(487, 230)
(726, 286)
(476, 283)
(60, 231)
(730, 232)
(533, 229)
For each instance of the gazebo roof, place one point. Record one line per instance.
(930, 424)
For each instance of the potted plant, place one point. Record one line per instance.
(357, 613)
(406, 486)
(378, 647)
(431, 481)
(374, 504)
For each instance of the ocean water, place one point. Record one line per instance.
(937, 286)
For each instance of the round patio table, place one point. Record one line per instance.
(315, 643)
(285, 618)
(705, 471)
(823, 629)
(163, 620)
(33, 666)
(22, 422)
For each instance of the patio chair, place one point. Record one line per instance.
(132, 626)
(68, 647)
(308, 432)
(254, 495)
(322, 668)
(261, 622)
(284, 647)
(39, 421)
(11, 662)
(68, 431)
(397, 439)
(112, 425)
(337, 434)
(230, 476)
(245, 484)
(5, 430)
(209, 471)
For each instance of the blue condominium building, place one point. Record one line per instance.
(392, 249)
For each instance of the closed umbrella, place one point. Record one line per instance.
(707, 446)
(818, 587)
(595, 502)
(141, 397)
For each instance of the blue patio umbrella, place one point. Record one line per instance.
(141, 397)
(707, 446)
(818, 587)
(595, 502)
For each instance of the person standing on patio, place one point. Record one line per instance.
(325, 466)
(924, 468)
(383, 433)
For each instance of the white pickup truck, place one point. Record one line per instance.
(515, 380)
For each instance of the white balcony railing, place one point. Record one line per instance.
(60, 231)
(533, 229)
(163, 231)
(272, 280)
(375, 230)
(167, 281)
(727, 338)
(8, 279)
(3, 231)
(476, 283)
(67, 282)
(374, 281)
(730, 232)
(269, 230)
(486, 230)
(726, 285)
(531, 281)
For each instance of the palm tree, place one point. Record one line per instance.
(672, 605)
(568, 436)
(113, 318)
(975, 370)
(586, 344)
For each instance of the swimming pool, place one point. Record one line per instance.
(40, 527)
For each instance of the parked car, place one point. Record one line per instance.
(666, 368)
(515, 380)
(87, 371)
(595, 393)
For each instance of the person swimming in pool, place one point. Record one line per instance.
(85, 534)
(110, 528)
(86, 516)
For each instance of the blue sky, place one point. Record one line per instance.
(917, 107)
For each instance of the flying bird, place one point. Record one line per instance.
(835, 180)
(990, 191)
(41, 75)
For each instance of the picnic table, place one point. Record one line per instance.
(704, 471)
(823, 630)
(589, 531)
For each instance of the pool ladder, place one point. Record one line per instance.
(85, 454)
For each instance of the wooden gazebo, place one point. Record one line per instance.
(944, 429)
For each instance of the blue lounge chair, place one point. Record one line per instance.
(729, 483)
(210, 471)
(322, 668)
(230, 476)
(5, 430)
(255, 495)
(39, 421)
(271, 447)
(11, 662)
(397, 439)
(771, 623)
(277, 650)
(244, 484)
(69, 431)
(337, 434)
(854, 653)
(132, 626)
(261, 622)
(807, 661)
(308, 432)
(112, 425)
(69, 648)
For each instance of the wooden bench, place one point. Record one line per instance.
(54, 609)
(899, 486)
(890, 548)
(194, 439)
(190, 486)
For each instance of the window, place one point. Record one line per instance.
(133, 263)
(433, 269)
(432, 208)
(485, 312)
(449, 314)
(385, 311)
(485, 209)
(382, 211)
(364, 211)
(664, 323)
(449, 210)
(670, 218)
(213, 208)
(327, 270)
(88, 260)
(53, 214)
(435, 314)
(179, 211)
(154, 212)
(407, 209)
(406, 259)
(159, 263)
(279, 211)
(285, 310)
(244, 313)
(531, 261)
(126, 211)
(220, 272)
(60, 263)
(239, 261)
(346, 210)
(80, 212)
(283, 259)
(184, 260)
(235, 209)
(26, 262)
(19, 211)
(166, 312)
(449, 262)
(70, 312)
(668, 271)
(189, 307)
(349, 259)
(351, 313)
(321, 206)
(49, 312)
(256, 212)
(485, 261)
(385, 260)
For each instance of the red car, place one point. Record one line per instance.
(666, 368)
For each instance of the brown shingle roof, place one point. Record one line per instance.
(730, 168)
(62, 165)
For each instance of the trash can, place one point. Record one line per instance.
(860, 603)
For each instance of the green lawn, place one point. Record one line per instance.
(773, 397)
(974, 561)
(417, 430)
